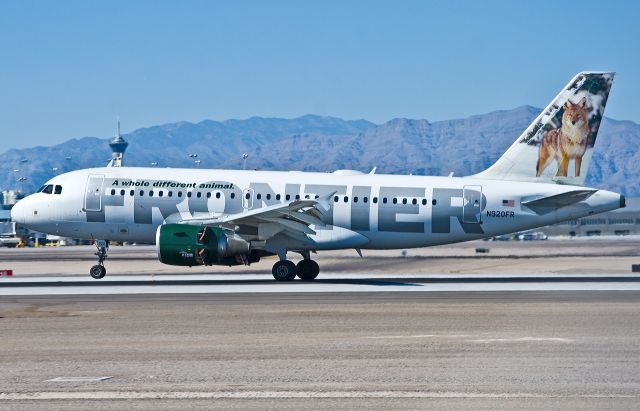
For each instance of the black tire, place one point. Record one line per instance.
(308, 270)
(284, 270)
(97, 271)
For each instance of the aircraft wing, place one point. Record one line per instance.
(293, 218)
(548, 204)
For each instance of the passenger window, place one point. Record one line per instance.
(278, 197)
(131, 193)
(288, 197)
(258, 196)
(188, 194)
(297, 196)
(199, 194)
(58, 190)
(414, 201)
(424, 201)
(209, 194)
(335, 199)
(384, 200)
(434, 202)
(121, 192)
(150, 193)
(141, 193)
(346, 198)
(113, 192)
(268, 196)
(395, 200)
(404, 201)
(375, 200)
(160, 193)
(179, 193)
(364, 200)
(355, 199)
(233, 195)
(218, 194)
(170, 193)
(247, 196)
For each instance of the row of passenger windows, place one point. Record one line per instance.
(394, 200)
(161, 193)
(51, 189)
(278, 197)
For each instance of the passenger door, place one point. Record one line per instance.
(93, 193)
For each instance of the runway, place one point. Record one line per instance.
(351, 283)
(285, 350)
(542, 335)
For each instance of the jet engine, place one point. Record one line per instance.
(189, 245)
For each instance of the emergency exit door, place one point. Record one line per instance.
(472, 204)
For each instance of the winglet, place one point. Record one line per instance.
(325, 202)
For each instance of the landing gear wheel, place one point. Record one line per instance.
(97, 271)
(284, 270)
(308, 270)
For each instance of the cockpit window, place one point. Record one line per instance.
(58, 190)
(48, 189)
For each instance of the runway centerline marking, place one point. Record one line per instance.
(79, 379)
(179, 395)
(381, 337)
(523, 339)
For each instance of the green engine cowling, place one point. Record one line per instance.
(189, 245)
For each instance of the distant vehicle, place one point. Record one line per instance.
(8, 235)
(535, 236)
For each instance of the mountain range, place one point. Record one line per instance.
(315, 143)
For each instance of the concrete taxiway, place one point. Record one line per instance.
(533, 325)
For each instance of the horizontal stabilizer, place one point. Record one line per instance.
(548, 204)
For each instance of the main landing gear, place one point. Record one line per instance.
(306, 270)
(98, 271)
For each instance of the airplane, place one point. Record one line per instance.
(233, 217)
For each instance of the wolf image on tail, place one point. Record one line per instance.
(569, 141)
(565, 130)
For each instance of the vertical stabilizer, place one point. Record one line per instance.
(558, 145)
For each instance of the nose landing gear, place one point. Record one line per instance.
(98, 271)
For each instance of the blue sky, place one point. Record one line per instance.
(68, 68)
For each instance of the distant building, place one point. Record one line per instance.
(118, 147)
(10, 197)
(623, 221)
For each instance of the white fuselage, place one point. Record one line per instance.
(367, 211)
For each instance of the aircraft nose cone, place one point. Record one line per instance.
(17, 212)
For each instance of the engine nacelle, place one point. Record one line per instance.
(189, 245)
